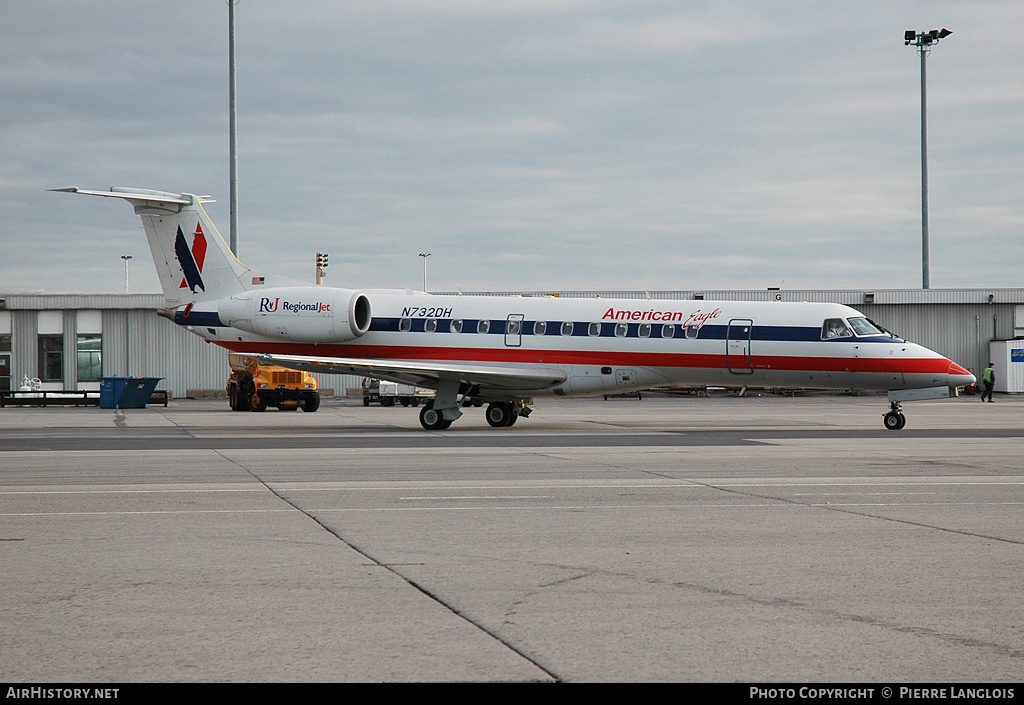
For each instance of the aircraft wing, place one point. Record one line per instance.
(424, 373)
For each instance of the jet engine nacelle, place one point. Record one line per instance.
(303, 314)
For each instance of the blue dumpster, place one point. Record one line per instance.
(126, 392)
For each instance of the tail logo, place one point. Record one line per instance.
(191, 260)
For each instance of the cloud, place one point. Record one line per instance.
(527, 144)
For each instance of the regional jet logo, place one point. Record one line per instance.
(269, 305)
(191, 260)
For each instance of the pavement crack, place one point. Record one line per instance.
(392, 568)
(868, 515)
(924, 632)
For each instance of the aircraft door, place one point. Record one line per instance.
(514, 330)
(737, 346)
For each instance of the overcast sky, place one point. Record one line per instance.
(527, 144)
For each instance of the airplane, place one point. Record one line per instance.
(506, 350)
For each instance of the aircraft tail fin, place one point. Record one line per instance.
(192, 260)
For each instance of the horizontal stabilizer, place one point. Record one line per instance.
(139, 194)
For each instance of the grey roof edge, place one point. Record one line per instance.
(850, 297)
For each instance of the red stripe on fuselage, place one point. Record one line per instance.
(801, 363)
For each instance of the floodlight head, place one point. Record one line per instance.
(909, 36)
(944, 33)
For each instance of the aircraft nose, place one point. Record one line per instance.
(959, 377)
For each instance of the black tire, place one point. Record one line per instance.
(366, 401)
(311, 403)
(500, 414)
(894, 421)
(240, 402)
(433, 420)
(258, 403)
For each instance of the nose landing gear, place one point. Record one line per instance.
(895, 420)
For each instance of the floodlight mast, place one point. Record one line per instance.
(233, 130)
(924, 42)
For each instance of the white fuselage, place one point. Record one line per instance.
(599, 345)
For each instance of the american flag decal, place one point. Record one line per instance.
(257, 280)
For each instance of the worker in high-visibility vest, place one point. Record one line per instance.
(988, 378)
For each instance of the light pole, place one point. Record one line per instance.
(233, 131)
(126, 258)
(424, 255)
(924, 41)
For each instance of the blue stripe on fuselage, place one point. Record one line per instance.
(581, 329)
(209, 319)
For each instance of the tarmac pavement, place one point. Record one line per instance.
(758, 539)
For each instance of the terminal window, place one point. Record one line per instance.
(90, 358)
(5, 363)
(51, 358)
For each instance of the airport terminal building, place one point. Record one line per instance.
(70, 341)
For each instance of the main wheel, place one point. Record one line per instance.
(433, 420)
(500, 413)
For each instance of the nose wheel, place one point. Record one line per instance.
(895, 420)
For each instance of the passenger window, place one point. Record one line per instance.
(692, 330)
(431, 325)
(567, 328)
(644, 331)
(594, 329)
(668, 330)
(513, 327)
(621, 329)
(834, 328)
(457, 325)
(540, 327)
(483, 326)
(405, 325)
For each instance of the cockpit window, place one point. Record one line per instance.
(862, 327)
(885, 331)
(834, 328)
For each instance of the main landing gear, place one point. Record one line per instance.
(432, 419)
(894, 420)
(444, 408)
(499, 414)
(502, 413)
